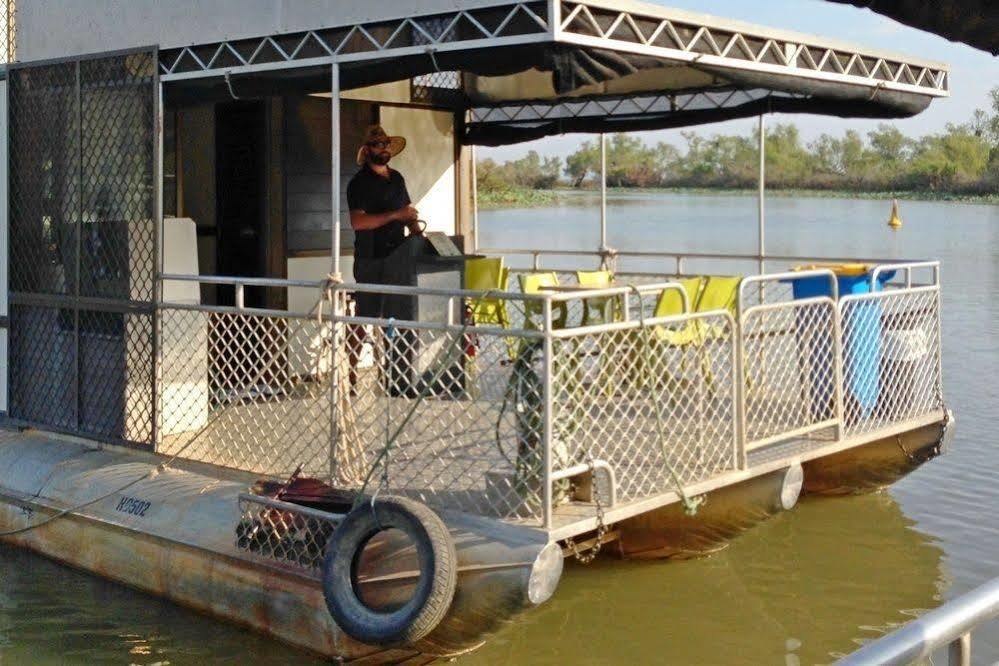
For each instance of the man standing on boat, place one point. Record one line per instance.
(380, 213)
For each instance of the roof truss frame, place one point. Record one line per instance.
(626, 27)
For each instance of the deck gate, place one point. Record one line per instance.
(83, 245)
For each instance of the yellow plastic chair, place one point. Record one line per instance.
(596, 310)
(534, 283)
(714, 292)
(720, 293)
(670, 303)
(488, 274)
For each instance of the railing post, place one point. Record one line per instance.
(740, 390)
(240, 296)
(549, 413)
(959, 651)
(838, 388)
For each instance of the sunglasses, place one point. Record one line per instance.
(379, 144)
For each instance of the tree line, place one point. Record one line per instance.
(962, 159)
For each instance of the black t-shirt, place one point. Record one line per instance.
(374, 194)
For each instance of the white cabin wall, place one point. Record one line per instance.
(59, 28)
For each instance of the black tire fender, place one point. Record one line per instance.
(434, 590)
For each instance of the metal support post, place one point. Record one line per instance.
(335, 166)
(959, 652)
(603, 200)
(335, 296)
(838, 387)
(549, 415)
(761, 221)
(158, 278)
(475, 203)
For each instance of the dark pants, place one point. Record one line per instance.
(369, 271)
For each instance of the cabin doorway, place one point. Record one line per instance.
(241, 195)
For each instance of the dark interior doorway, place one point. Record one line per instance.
(241, 193)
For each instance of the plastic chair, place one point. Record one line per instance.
(705, 294)
(534, 283)
(719, 293)
(487, 274)
(596, 310)
(670, 303)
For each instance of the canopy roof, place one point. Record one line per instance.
(974, 22)
(523, 70)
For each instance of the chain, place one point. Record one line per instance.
(591, 554)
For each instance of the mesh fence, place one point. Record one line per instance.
(650, 401)
(290, 534)
(891, 357)
(83, 245)
(789, 356)
(462, 408)
(249, 392)
(455, 415)
(8, 31)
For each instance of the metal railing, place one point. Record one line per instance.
(950, 626)
(677, 263)
(504, 416)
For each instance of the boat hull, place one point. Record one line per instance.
(874, 465)
(668, 532)
(184, 549)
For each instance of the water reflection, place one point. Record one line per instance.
(801, 588)
(50, 614)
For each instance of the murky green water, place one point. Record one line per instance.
(799, 589)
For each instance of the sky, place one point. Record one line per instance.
(973, 72)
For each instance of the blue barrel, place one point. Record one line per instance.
(861, 337)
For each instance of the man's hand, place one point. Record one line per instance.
(407, 214)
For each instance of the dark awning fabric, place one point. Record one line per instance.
(572, 68)
(500, 134)
(974, 22)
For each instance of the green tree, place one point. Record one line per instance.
(583, 162)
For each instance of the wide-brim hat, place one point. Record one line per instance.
(396, 144)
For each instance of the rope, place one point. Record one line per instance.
(327, 293)
(690, 504)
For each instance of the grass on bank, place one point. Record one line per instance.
(516, 197)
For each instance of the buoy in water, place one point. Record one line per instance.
(894, 220)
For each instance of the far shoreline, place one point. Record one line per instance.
(523, 197)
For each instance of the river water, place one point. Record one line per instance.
(801, 588)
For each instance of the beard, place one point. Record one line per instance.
(381, 159)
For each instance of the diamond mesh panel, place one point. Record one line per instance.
(8, 34)
(83, 245)
(116, 375)
(891, 357)
(43, 366)
(289, 534)
(44, 125)
(118, 235)
(475, 441)
(789, 353)
(610, 385)
(440, 88)
(257, 386)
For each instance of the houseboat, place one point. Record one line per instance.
(197, 407)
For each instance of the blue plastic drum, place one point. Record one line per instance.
(861, 334)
